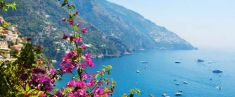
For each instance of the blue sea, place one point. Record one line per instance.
(161, 74)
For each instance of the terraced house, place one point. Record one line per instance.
(10, 42)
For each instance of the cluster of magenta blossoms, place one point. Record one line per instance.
(76, 61)
(39, 81)
(82, 84)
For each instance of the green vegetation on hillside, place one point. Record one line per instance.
(43, 22)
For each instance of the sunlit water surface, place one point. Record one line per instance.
(161, 73)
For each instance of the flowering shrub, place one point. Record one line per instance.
(30, 75)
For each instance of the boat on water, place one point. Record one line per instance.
(177, 84)
(137, 71)
(200, 60)
(177, 62)
(218, 87)
(143, 62)
(178, 93)
(127, 53)
(185, 82)
(217, 71)
(165, 95)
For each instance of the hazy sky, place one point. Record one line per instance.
(204, 23)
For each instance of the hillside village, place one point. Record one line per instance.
(10, 42)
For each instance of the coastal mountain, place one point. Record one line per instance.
(130, 27)
(113, 29)
(42, 21)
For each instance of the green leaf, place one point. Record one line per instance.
(27, 87)
(108, 67)
(11, 5)
(97, 75)
(34, 65)
(138, 91)
(75, 28)
(34, 96)
(65, 3)
(31, 91)
(71, 7)
(135, 91)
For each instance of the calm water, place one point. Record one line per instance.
(161, 73)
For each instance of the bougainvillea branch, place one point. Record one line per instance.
(30, 75)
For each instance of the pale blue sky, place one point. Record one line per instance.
(204, 23)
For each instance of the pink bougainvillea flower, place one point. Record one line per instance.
(85, 76)
(71, 22)
(81, 84)
(71, 83)
(82, 92)
(65, 36)
(88, 60)
(82, 66)
(53, 72)
(83, 46)
(91, 83)
(78, 24)
(78, 93)
(72, 94)
(70, 55)
(77, 40)
(67, 65)
(42, 82)
(84, 30)
(100, 83)
(98, 92)
(74, 83)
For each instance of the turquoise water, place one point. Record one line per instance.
(161, 73)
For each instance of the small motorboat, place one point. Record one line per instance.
(177, 84)
(218, 87)
(217, 71)
(200, 60)
(178, 93)
(143, 62)
(137, 71)
(184, 82)
(177, 62)
(165, 95)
